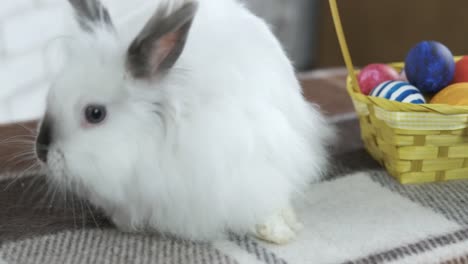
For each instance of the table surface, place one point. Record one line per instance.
(326, 88)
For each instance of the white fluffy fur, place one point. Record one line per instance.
(222, 142)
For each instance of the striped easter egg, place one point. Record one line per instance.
(398, 91)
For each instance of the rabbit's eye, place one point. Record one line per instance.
(95, 114)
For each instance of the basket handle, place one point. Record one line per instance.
(343, 44)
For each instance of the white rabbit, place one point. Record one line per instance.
(189, 122)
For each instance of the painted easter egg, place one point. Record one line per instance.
(399, 91)
(461, 71)
(430, 66)
(455, 94)
(375, 74)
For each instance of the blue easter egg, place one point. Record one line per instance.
(430, 66)
(398, 91)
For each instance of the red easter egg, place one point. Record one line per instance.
(374, 74)
(461, 70)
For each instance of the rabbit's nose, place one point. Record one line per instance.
(43, 140)
(41, 152)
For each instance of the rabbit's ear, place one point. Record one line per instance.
(91, 13)
(161, 41)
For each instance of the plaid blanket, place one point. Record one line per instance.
(358, 214)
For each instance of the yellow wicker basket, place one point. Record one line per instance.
(415, 143)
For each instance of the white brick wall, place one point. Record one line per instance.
(28, 55)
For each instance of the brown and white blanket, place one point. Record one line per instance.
(358, 214)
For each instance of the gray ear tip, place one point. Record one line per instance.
(193, 3)
(191, 6)
(77, 3)
(89, 13)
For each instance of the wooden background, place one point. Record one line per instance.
(385, 30)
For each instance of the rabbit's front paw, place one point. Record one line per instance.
(280, 228)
